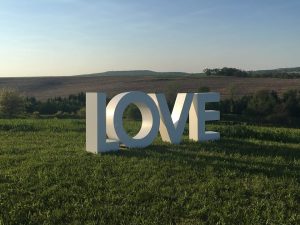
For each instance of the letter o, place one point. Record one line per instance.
(150, 119)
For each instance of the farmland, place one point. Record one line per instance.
(250, 176)
(48, 87)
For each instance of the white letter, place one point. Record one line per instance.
(96, 141)
(171, 127)
(198, 116)
(150, 119)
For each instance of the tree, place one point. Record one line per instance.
(171, 94)
(207, 71)
(291, 102)
(132, 112)
(263, 103)
(203, 89)
(11, 103)
(225, 71)
(82, 112)
(31, 104)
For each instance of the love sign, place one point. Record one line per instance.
(104, 123)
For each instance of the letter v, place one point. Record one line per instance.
(172, 126)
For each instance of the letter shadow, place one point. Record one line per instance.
(231, 154)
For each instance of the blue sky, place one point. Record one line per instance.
(67, 37)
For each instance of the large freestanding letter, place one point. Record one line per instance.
(198, 115)
(150, 119)
(172, 126)
(96, 141)
(104, 122)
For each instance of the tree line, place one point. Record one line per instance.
(70, 104)
(264, 105)
(14, 104)
(234, 72)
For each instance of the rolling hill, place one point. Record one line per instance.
(114, 82)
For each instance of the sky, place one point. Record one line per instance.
(69, 37)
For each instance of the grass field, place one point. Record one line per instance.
(250, 176)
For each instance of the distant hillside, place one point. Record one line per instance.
(142, 73)
(294, 70)
(119, 81)
(289, 70)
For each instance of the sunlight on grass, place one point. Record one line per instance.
(250, 176)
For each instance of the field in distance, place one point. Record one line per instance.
(148, 81)
(251, 176)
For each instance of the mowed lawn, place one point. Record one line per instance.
(250, 176)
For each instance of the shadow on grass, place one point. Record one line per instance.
(230, 154)
(283, 135)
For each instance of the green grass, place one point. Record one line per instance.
(250, 176)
